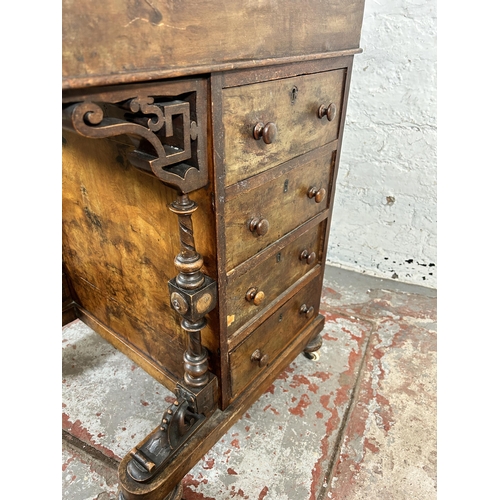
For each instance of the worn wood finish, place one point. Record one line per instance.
(123, 38)
(68, 302)
(218, 207)
(119, 242)
(167, 377)
(255, 322)
(289, 109)
(270, 72)
(283, 202)
(273, 336)
(266, 86)
(271, 277)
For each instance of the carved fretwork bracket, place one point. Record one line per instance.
(166, 122)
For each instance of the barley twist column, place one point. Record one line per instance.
(191, 280)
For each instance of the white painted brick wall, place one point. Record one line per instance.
(389, 148)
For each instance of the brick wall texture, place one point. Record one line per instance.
(386, 202)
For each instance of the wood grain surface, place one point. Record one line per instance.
(273, 335)
(292, 105)
(284, 208)
(272, 277)
(129, 39)
(119, 244)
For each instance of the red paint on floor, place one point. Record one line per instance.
(284, 374)
(331, 425)
(302, 380)
(323, 376)
(77, 430)
(65, 464)
(304, 402)
(263, 493)
(331, 293)
(188, 494)
(271, 389)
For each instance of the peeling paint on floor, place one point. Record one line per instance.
(357, 423)
(280, 449)
(389, 448)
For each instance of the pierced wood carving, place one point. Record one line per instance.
(167, 125)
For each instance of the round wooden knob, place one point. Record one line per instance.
(308, 311)
(255, 296)
(268, 132)
(258, 357)
(259, 226)
(317, 194)
(259, 298)
(308, 257)
(329, 111)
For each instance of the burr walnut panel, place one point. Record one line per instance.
(268, 123)
(119, 243)
(256, 218)
(272, 277)
(263, 346)
(115, 41)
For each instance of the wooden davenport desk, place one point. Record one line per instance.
(201, 146)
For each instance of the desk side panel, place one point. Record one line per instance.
(119, 244)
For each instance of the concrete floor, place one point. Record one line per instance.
(359, 423)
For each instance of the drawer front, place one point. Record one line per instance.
(252, 292)
(258, 217)
(288, 111)
(265, 344)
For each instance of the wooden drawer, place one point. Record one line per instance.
(272, 336)
(264, 213)
(292, 105)
(252, 292)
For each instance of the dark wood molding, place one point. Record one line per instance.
(193, 70)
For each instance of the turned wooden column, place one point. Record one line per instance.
(190, 279)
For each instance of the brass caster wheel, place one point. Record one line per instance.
(313, 356)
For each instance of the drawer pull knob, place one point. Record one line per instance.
(259, 226)
(308, 257)
(255, 296)
(317, 194)
(308, 311)
(258, 357)
(267, 132)
(329, 111)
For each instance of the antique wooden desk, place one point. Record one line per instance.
(195, 227)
